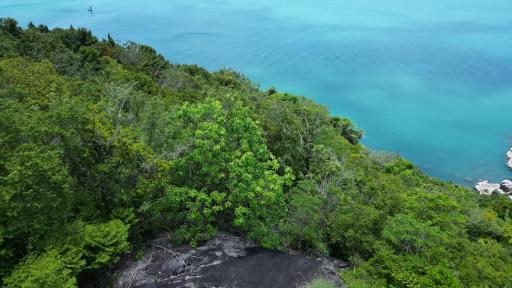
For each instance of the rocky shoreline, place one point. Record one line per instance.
(505, 187)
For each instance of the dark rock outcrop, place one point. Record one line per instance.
(224, 261)
(506, 186)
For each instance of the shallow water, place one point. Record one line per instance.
(432, 80)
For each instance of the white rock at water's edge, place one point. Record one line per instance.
(486, 188)
(509, 157)
(505, 187)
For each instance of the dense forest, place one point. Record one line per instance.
(103, 145)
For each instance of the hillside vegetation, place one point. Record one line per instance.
(104, 145)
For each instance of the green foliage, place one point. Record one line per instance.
(387, 269)
(354, 228)
(103, 243)
(103, 145)
(219, 153)
(48, 270)
(304, 223)
(407, 235)
(142, 58)
(346, 129)
(484, 263)
(192, 212)
(320, 283)
(10, 26)
(398, 166)
(292, 126)
(35, 199)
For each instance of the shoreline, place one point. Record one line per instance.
(487, 188)
(509, 157)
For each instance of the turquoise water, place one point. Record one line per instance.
(431, 80)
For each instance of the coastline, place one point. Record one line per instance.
(487, 188)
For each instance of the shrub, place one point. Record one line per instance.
(104, 242)
(45, 271)
(320, 283)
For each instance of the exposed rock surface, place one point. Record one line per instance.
(486, 188)
(224, 261)
(506, 186)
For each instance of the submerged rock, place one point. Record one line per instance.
(224, 261)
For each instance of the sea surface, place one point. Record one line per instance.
(431, 80)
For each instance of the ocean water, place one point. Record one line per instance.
(430, 80)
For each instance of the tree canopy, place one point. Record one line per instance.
(103, 145)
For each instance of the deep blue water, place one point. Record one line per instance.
(431, 80)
